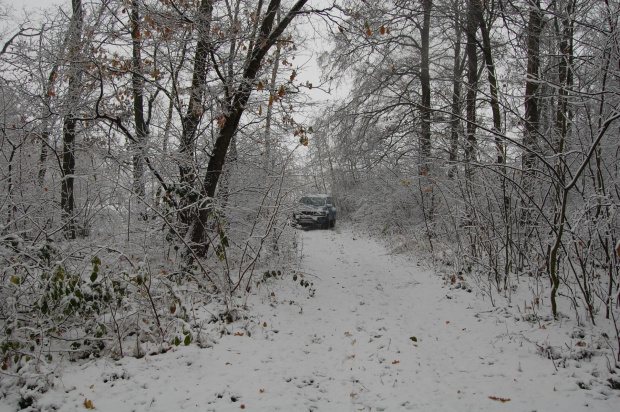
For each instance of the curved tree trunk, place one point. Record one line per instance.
(236, 106)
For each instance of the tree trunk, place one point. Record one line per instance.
(532, 114)
(472, 86)
(272, 91)
(67, 200)
(425, 82)
(236, 107)
(45, 124)
(187, 146)
(487, 51)
(457, 74)
(137, 83)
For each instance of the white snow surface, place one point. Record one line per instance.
(350, 348)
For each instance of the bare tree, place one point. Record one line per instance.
(67, 200)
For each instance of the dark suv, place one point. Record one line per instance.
(315, 211)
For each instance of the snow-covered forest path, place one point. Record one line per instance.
(380, 333)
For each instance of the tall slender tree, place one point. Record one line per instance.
(531, 103)
(67, 196)
(471, 48)
(137, 82)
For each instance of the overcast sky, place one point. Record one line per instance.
(18, 4)
(29, 7)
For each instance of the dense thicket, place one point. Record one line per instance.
(509, 168)
(145, 152)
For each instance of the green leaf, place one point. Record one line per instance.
(295, 278)
(187, 340)
(15, 280)
(93, 276)
(413, 338)
(177, 341)
(224, 241)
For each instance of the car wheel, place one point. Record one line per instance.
(333, 222)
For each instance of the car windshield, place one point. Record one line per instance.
(313, 201)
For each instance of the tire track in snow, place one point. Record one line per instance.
(368, 298)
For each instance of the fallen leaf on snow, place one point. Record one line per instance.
(395, 362)
(495, 398)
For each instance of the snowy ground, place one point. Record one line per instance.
(380, 333)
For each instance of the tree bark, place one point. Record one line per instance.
(472, 86)
(236, 107)
(67, 199)
(532, 113)
(187, 145)
(487, 51)
(137, 83)
(45, 125)
(425, 82)
(457, 74)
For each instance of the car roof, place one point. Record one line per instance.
(317, 195)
